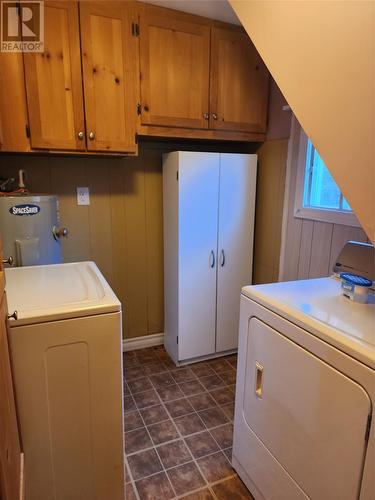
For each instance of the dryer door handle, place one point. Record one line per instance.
(258, 380)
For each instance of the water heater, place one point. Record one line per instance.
(29, 228)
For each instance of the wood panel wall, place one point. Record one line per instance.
(309, 248)
(272, 160)
(122, 229)
(272, 157)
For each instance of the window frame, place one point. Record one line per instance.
(333, 216)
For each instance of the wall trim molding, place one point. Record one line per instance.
(142, 342)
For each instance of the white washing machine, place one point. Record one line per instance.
(305, 393)
(66, 352)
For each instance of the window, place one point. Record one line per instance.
(320, 190)
(317, 195)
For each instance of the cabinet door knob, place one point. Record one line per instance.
(214, 116)
(80, 135)
(8, 261)
(92, 136)
(13, 316)
(206, 116)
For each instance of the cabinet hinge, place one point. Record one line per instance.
(177, 339)
(139, 108)
(177, 175)
(27, 130)
(135, 29)
(368, 427)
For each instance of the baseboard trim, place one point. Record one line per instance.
(143, 342)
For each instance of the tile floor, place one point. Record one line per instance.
(179, 427)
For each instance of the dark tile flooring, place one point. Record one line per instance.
(179, 428)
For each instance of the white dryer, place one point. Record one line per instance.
(66, 351)
(305, 393)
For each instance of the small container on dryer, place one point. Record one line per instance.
(355, 287)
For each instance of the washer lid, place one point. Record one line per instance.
(317, 305)
(58, 291)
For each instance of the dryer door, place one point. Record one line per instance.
(309, 416)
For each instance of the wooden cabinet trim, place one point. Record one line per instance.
(184, 133)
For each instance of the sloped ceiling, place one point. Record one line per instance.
(322, 55)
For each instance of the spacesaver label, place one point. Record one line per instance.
(24, 210)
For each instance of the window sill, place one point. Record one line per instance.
(331, 216)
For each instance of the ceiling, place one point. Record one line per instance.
(322, 57)
(214, 9)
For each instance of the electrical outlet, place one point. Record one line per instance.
(83, 196)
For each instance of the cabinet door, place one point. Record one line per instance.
(11, 458)
(239, 83)
(198, 201)
(235, 242)
(108, 60)
(54, 83)
(174, 63)
(13, 111)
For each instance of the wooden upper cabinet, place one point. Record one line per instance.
(108, 60)
(191, 76)
(174, 66)
(62, 93)
(54, 83)
(239, 83)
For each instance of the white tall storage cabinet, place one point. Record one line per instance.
(209, 205)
